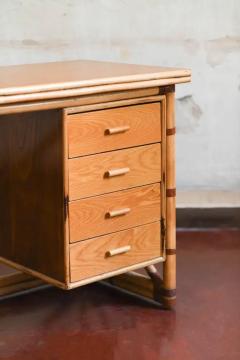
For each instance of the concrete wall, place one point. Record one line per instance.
(203, 35)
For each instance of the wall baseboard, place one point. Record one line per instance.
(208, 199)
(206, 218)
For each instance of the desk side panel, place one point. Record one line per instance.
(32, 191)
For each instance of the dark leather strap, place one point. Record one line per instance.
(168, 293)
(171, 251)
(171, 192)
(171, 131)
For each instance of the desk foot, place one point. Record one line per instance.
(150, 287)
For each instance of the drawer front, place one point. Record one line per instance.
(108, 172)
(113, 212)
(114, 251)
(104, 130)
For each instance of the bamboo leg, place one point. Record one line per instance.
(149, 287)
(135, 283)
(157, 283)
(169, 266)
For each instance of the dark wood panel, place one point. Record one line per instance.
(31, 191)
(205, 218)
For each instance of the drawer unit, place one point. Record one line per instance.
(110, 212)
(113, 212)
(111, 129)
(115, 170)
(114, 251)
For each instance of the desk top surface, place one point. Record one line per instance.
(55, 76)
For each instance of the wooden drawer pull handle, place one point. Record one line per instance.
(118, 251)
(119, 212)
(117, 172)
(117, 130)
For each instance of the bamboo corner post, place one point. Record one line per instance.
(169, 265)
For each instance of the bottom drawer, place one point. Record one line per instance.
(114, 251)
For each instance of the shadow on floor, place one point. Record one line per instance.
(98, 323)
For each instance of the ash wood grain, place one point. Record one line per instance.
(45, 77)
(31, 191)
(89, 217)
(105, 130)
(87, 175)
(75, 104)
(109, 274)
(60, 94)
(127, 101)
(88, 258)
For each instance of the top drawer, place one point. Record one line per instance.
(111, 129)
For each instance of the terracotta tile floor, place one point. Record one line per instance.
(95, 322)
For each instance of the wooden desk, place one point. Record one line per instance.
(87, 181)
